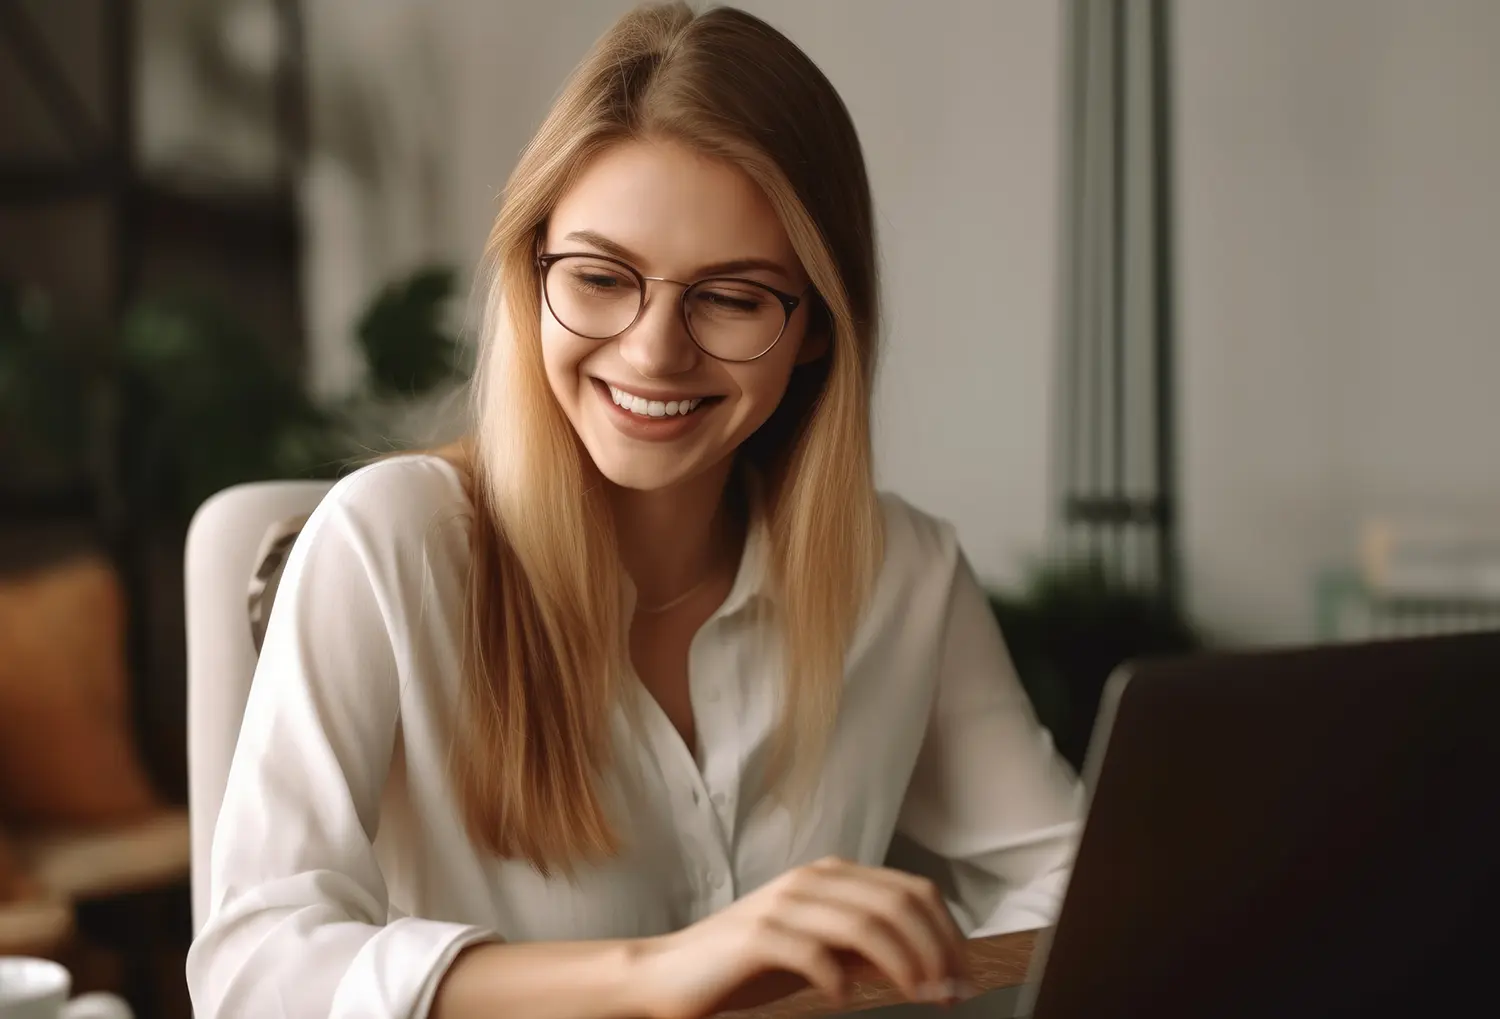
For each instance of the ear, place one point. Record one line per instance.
(818, 339)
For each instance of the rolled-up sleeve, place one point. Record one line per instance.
(990, 795)
(300, 924)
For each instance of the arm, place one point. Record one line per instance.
(298, 922)
(299, 925)
(990, 795)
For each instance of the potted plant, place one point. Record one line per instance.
(1068, 628)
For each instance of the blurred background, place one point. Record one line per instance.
(1189, 329)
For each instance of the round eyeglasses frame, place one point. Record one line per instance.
(789, 302)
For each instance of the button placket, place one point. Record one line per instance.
(712, 688)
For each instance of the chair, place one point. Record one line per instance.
(222, 544)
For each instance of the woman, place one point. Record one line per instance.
(616, 708)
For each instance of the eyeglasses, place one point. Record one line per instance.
(730, 318)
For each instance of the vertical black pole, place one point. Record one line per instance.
(1118, 118)
(1099, 281)
(1074, 318)
(1163, 155)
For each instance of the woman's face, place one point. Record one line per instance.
(669, 212)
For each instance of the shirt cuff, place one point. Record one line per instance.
(398, 972)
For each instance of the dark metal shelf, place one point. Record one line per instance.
(41, 182)
(261, 223)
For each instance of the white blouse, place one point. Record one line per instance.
(343, 883)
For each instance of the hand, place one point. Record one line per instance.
(811, 923)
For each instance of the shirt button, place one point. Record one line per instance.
(696, 797)
(715, 879)
(720, 800)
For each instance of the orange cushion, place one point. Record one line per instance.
(10, 872)
(66, 753)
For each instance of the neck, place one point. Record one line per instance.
(672, 538)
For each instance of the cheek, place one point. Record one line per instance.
(761, 386)
(562, 353)
(763, 383)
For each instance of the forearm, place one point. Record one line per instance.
(544, 980)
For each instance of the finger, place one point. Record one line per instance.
(930, 896)
(921, 894)
(900, 907)
(844, 926)
(781, 946)
(931, 900)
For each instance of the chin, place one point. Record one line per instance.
(641, 470)
(638, 477)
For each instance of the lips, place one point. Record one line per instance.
(658, 418)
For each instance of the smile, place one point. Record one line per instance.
(642, 407)
(638, 416)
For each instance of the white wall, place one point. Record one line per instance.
(1340, 264)
(956, 105)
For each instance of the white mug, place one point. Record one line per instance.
(38, 989)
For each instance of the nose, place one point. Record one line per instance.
(658, 345)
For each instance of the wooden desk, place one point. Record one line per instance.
(1000, 961)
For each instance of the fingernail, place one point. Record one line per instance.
(940, 991)
(933, 993)
(958, 990)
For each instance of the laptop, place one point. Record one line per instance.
(1288, 834)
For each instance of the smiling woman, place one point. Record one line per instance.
(616, 708)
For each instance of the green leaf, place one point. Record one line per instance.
(404, 334)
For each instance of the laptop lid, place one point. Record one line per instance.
(1288, 833)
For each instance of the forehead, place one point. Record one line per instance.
(675, 207)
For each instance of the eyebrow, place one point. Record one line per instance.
(624, 254)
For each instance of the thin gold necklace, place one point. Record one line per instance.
(655, 610)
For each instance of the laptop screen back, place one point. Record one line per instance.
(1304, 833)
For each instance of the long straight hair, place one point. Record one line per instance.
(547, 645)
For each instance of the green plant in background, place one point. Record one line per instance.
(203, 406)
(46, 403)
(1069, 627)
(408, 345)
(191, 401)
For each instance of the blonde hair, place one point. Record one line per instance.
(547, 649)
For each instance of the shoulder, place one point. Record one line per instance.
(920, 559)
(400, 495)
(907, 613)
(396, 513)
(917, 543)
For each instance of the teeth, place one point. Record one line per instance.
(653, 408)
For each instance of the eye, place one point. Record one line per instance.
(732, 300)
(594, 279)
